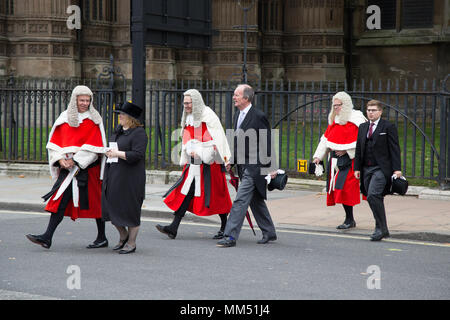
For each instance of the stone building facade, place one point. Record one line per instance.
(287, 39)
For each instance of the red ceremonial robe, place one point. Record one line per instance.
(220, 201)
(86, 136)
(343, 137)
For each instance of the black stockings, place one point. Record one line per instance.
(348, 213)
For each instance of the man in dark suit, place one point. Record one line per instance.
(377, 159)
(252, 152)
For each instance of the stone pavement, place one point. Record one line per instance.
(301, 206)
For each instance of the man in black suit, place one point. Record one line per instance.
(252, 152)
(377, 159)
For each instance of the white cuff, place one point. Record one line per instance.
(321, 150)
(85, 158)
(351, 153)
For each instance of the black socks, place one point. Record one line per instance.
(223, 221)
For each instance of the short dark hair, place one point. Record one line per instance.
(375, 103)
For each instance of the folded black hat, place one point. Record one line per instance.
(279, 182)
(399, 185)
(130, 109)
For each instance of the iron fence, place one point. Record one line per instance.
(298, 110)
(28, 110)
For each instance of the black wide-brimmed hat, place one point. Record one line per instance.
(400, 186)
(279, 182)
(130, 109)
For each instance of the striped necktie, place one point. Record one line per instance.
(371, 129)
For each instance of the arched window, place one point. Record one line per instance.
(417, 14)
(100, 10)
(269, 15)
(7, 7)
(94, 9)
(87, 10)
(111, 10)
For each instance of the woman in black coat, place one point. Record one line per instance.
(123, 189)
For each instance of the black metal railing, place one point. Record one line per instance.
(29, 107)
(298, 110)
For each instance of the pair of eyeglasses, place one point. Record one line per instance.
(372, 110)
(187, 103)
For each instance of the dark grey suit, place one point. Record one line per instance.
(377, 158)
(252, 188)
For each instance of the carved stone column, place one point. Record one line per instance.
(120, 37)
(4, 58)
(271, 26)
(226, 57)
(97, 36)
(161, 63)
(39, 42)
(189, 64)
(313, 41)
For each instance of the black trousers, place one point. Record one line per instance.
(375, 182)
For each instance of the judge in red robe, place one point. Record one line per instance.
(339, 143)
(202, 188)
(75, 150)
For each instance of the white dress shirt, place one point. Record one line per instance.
(374, 127)
(242, 115)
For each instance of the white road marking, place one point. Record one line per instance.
(316, 233)
(17, 295)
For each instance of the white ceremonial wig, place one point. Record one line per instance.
(346, 111)
(72, 110)
(198, 105)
